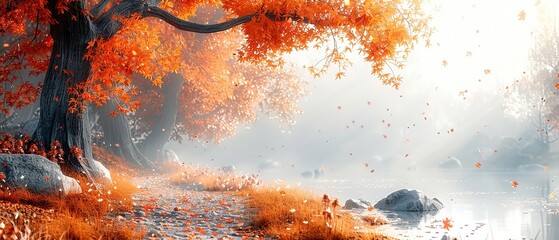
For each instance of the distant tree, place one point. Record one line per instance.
(535, 96)
(90, 50)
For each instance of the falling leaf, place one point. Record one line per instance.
(521, 15)
(487, 71)
(339, 107)
(6, 45)
(47, 178)
(557, 85)
(372, 171)
(478, 165)
(446, 224)
(56, 99)
(514, 184)
(4, 164)
(134, 53)
(407, 154)
(366, 165)
(370, 208)
(445, 63)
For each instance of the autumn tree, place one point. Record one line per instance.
(534, 96)
(75, 43)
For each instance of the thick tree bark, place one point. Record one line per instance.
(117, 136)
(152, 146)
(67, 68)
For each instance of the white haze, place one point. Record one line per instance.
(342, 140)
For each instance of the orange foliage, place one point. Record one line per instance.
(383, 32)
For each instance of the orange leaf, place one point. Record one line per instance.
(521, 15)
(514, 184)
(446, 223)
(478, 165)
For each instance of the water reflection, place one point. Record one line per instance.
(482, 205)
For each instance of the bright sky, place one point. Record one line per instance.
(485, 45)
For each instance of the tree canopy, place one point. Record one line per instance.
(95, 51)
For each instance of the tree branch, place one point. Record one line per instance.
(98, 9)
(178, 23)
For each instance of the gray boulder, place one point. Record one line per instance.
(227, 169)
(409, 201)
(531, 168)
(170, 155)
(307, 174)
(36, 174)
(268, 164)
(99, 172)
(451, 163)
(356, 204)
(319, 173)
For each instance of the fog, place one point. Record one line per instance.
(451, 98)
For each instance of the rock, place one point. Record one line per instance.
(375, 219)
(531, 168)
(319, 173)
(36, 174)
(307, 174)
(268, 164)
(409, 201)
(99, 172)
(227, 169)
(170, 155)
(451, 163)
(356, 204)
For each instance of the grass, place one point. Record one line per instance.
(77, 216)
(297, 214)
(211, 180)
(281, 211)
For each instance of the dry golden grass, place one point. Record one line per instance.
(212, 180)
(297, 214)
(77, 216)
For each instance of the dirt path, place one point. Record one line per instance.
(169, 211)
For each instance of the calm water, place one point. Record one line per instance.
(482, 205)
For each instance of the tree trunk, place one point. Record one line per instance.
(152, 146)
(117, 136)
(67, 68)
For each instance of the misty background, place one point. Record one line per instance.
(452, 99)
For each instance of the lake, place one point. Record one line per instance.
(482, 205)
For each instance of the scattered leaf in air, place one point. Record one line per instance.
(407, 154)
(487, 71)
(521, 15)
(372, 170)
(370, 208)
(339, 107)
(6, 45)
(4, 164)
(514, 184)
(445, 63)
(366, 165)
(47, 178)
(478, 165)
(447, 223)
